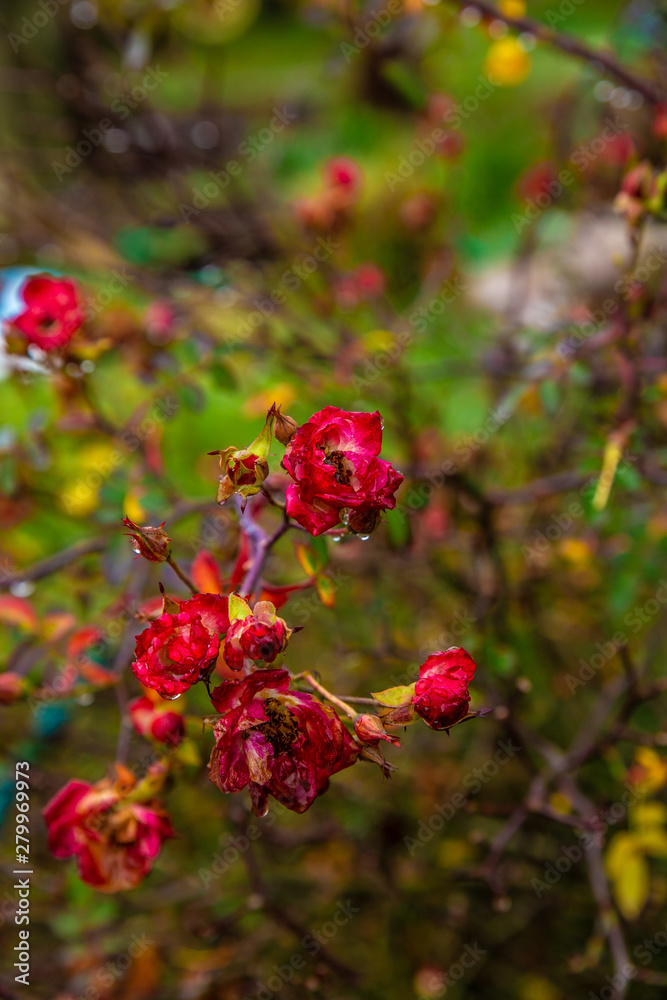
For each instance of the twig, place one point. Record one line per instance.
(53, 563)
(327, 694)
(181, 575)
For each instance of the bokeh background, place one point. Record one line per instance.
(474, 319)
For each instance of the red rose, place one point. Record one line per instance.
(53, 313)
(441, 694)
(277, 742)
(333, 461)
(259, 636)
(115, 841)
(156, 722)
(176, 650)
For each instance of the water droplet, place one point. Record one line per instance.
(364, 538)
(135, 547)
(170, 697)
(336, 538)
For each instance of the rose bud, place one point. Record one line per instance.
(53, 312)
(181, 646)
(11, 687)
(244, 470)
(369, 729)
(441, 695)
(284, 427)
(151, 543)
(153, 720)
(363, 522)
(254, 635)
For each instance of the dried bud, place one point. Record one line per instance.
(369, 729)
(363, 522)
(285, 426)
(245, 469)
(375, 756)
(151, 543)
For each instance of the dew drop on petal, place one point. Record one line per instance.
(170, 697)
(364, 538)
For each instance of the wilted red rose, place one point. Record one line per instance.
(277, 742)
(259, 636)
(154, 720)
(177, 650)
(115, 841)
(441, 694)
(333, 460)
(53, 312)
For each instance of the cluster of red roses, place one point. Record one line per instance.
(269, 737)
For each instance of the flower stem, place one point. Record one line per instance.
(328, 695)
(181, 575)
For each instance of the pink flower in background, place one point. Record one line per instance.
(115, 841)
(53, 312)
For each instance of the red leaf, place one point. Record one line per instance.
(18, 611)
(206, 573)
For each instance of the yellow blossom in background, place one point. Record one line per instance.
(649, 770)
(506, 62)
(379, 340)
(282, 394)
(132, 505)
(576, 551)
(512, 8)
(94, 464)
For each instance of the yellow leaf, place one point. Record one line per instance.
(326, 590)
(629, 873)
(394, 696)
(309, 559)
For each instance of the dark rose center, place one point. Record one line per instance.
(282, 729)
(343, 470)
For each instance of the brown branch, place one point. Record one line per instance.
(53, 563)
